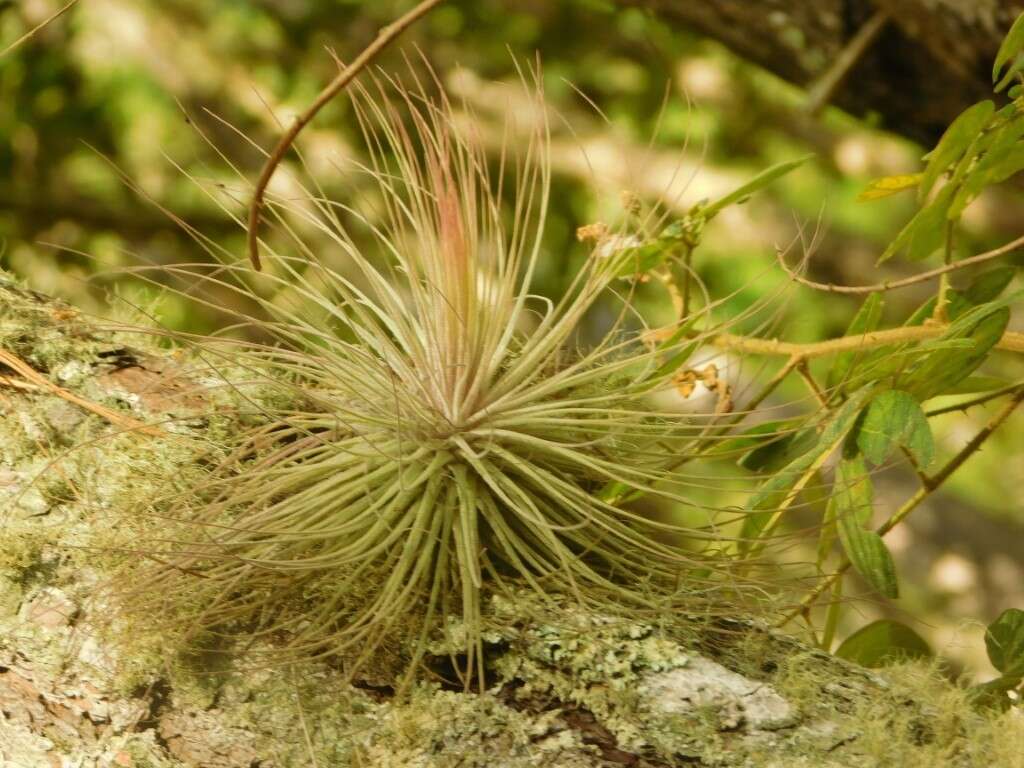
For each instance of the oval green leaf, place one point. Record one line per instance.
(1004, 641)
(883, 642)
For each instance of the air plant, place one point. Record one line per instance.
(446, 434)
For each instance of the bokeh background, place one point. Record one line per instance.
(122, 116)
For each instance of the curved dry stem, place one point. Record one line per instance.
(32, 32)
(890, 285)
(384, 37)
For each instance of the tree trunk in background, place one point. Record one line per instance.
(930, 62)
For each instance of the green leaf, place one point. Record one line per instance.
(643, 258)
(820, 497)
(1011, 74)
(1004, 641)
(760, 181)
(676, 361)
(944, 369)
(883, 642)
(954, 143)
(896, 360)
(777, 493)
(853, 501)
(994, 692)
(866, 320)
(1003, 157)
(895, 418)
(974, 384)
(1013, 45)
(926, 311)
(925, 232)
(989, 285)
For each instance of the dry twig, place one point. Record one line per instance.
(40, 382)
(384, 37)
(890, 285)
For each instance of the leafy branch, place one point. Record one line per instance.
(928, 486)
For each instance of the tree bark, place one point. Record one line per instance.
(932, 60)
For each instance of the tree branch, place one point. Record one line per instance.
(1010, 342)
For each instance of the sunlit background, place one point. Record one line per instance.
(125, 114)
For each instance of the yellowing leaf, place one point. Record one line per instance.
(890, 185)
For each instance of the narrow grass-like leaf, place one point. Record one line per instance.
(757, 183)
(954, 142)
(779, 491)
(866, 320)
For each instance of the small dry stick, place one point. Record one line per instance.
(384, 37)
(928, 485)
(36, 28)
(22, 368)
(825, 87)
(805, 373)
(907, 281)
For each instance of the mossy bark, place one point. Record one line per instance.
(566, 688)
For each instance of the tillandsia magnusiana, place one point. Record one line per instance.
(446, 434)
